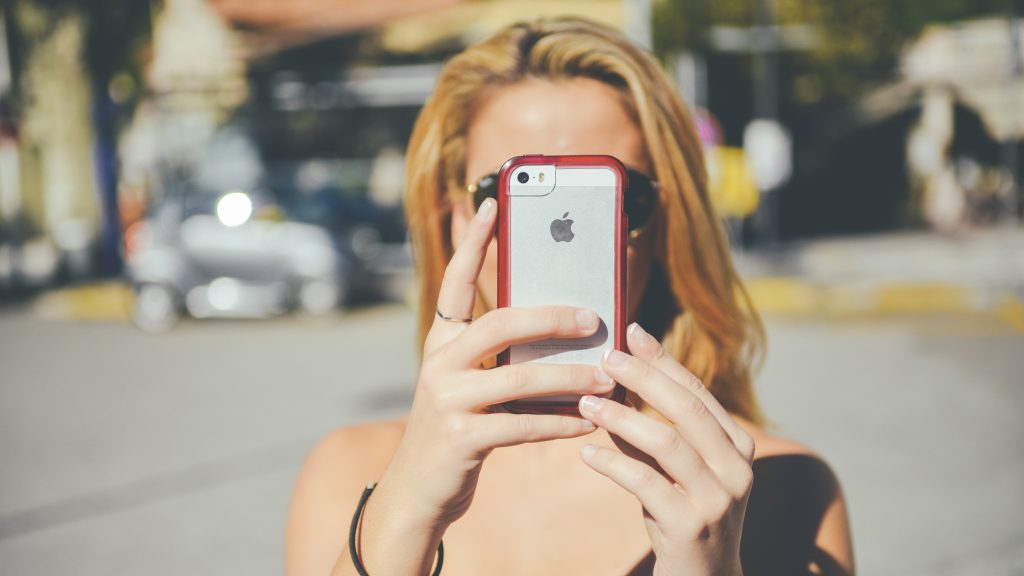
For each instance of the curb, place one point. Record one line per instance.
(104, 302)
(772, 295)
(788, 296)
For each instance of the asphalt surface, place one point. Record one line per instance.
(125, 453)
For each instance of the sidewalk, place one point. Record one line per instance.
(886, 274)
(903, 273)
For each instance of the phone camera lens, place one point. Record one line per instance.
(523, 177)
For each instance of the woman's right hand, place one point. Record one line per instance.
(451, 428)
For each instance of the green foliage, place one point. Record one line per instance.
(117, 32)
(685, 24)
(859, 40)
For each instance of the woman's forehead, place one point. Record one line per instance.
(539, 116)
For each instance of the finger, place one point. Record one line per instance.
(505, 429)
(526, 380)
(457, 295)
(646, 347)
(504, 327)
(688, 414)
(661, 442)
(669, 507)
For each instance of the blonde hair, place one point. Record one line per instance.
(694, 301)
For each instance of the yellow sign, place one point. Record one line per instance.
(733, 191)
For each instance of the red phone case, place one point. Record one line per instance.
(505, 281)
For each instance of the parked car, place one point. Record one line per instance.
(234, 256)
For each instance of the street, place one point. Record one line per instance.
(127, 453)
(852, 171)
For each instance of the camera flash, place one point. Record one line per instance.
(540, 177)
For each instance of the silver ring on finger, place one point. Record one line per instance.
(447, 318)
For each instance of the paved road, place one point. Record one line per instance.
(122, 453)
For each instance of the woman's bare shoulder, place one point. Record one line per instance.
(327, 490)
(371, 442)
(768, 444)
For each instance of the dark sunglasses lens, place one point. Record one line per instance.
(486, 188)
(640, 199)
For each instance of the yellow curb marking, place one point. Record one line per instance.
(105, 302)
(795, 297)
(1011, 311)
(922, 298)
(784, 296)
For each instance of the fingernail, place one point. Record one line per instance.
(602, 377)
(586, 319)
(636, 331)
(587, 424)
(590, 403)
(588, 450)
(485, 207)
(614, 358)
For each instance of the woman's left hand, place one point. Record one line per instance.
(692, 476)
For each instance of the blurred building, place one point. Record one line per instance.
(936, 146)
(978, 65)
(49, 212)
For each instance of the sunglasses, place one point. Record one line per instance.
(638, 203)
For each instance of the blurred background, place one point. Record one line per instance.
(204, 265)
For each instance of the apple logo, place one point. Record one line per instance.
(561, 230)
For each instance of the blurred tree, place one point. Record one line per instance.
(116, 34)
(859, 41)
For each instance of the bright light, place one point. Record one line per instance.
(234, 208)
(224, 294)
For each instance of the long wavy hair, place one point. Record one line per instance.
(694, 301)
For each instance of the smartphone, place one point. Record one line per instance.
(562, 240)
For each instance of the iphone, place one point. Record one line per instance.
(562, 240)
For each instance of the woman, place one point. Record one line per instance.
(683, 446)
